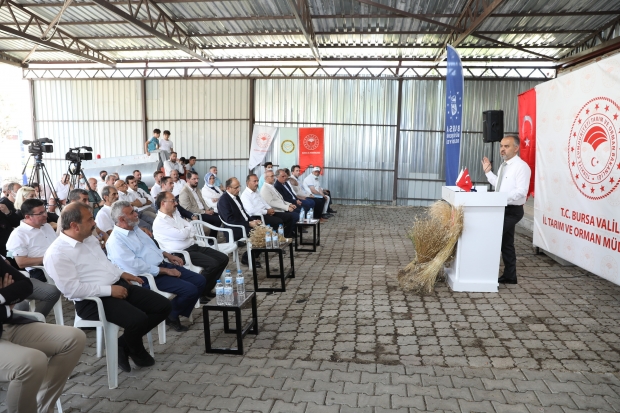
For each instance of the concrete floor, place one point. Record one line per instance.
(344, 337)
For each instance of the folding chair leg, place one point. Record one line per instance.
(60, 320)
(58, 406)
(111, 349)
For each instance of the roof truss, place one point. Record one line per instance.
(34, 28)
(301, 11)
(159, 25)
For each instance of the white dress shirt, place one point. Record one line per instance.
(143, 196)
(28, 241)
(173, 233)
(104, 219)
(202, 206)
(165, 145)
(80, 269)
(130, 196)
(169, 166)
(62, 190)
(516, 180)
(155, 190)
(178, 186)
(312, 180)
(298, 188)
(253, 203)
(209, 194)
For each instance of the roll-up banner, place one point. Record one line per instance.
(311, 147)
(262, 136)
(454, 115)
(289, 149)
(577, 202)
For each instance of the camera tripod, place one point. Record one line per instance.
(41, 177)
(76, 173)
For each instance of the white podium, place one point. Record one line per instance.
(476, 265)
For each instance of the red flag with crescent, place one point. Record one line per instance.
(527, 132)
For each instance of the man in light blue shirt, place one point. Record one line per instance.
(134, 252)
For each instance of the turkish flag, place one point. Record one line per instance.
(464, 181)
(527, 132)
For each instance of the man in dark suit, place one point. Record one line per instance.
(25, 346)
(287, 192)
(231, 210)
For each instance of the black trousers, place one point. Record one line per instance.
(512, 215)
(212, 219)
(212, 261)
(138, 314)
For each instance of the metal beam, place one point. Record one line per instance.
(10, 60)
(301, 11)
(158, 19)
(406, 13)
(604, 34)
(474, 13)
(60, 40)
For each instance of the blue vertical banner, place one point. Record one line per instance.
(454, 115)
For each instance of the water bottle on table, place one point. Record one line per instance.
(219, 293)
(311, 215)
(240, 281)
(275, 242)
(268, 240)
(281, 231)
(228, 291)
(302, 216)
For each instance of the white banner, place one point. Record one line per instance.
(262, 136)
(577, 202)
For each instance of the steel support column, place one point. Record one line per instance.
(145, 135)
(397, 148)
(252, 114)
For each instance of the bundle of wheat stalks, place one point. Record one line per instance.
(257, 236)
(434, 239)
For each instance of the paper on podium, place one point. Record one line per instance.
(476, 264)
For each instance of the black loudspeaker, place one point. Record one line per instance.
(492, 126)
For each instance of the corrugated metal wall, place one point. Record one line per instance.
(210, 120)
(359, 117)
(104, 114)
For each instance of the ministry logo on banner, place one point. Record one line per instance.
(262, 136)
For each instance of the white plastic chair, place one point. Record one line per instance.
(41, 318)
(110, 335)
(58, 315)
(161, 328)
(223, 247)
(244, 238)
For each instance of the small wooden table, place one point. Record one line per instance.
(281, 275)
(238, 303)
(316, 235)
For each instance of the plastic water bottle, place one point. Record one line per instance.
(240, 281)
(311, 215)
(281, 231)
(228, 291)
(302, 215)
(219, 293)
(268, 240)
(275, 242)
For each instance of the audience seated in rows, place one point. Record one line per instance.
(138, 175)
(81, 196)
(173, 164)
(156, 189)
(177, 182)
(104, 217)
(288, 195)
(255, 205)
(143, 205)
(275, 200)
(94, 199)
(191, 199)
(218, 183)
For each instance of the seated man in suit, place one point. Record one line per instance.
(37, 358)
(191, 199)
(133, 251)
(80, 269)
(288, 194)
(286, 211)
(232, 212)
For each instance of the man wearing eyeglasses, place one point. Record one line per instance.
(173, 233)
(28, 243)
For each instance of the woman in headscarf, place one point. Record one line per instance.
(210, 192)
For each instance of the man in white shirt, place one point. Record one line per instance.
(27, 244)
(139, 193)
(156, 189)
(80, 269)
(147, 215)
(514, 179)
(255, 206)
(297, 184)
(110, 180)
(312, 185)
(102, 176)
(173, 233)
(173, 165)
(62, 189)
(178, 183)
(134, 252)
(191, 199)
(104, 218)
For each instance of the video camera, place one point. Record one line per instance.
(74, 154)
(39, 146)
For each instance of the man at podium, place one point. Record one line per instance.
(514, 179)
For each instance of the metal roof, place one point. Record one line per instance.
(500, 32)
